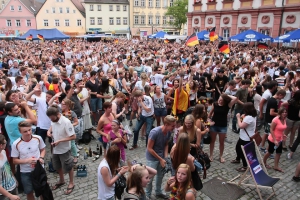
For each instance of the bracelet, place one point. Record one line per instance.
(118, 175)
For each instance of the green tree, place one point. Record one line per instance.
(178, 12)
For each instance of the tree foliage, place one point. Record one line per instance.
(178, 12)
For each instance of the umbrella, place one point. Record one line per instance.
(204, 35)
(160, 34)
(293, 36)
(249, 36)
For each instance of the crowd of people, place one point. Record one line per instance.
(58, 91)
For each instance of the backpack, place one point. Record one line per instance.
(120, 185)
(86, 137)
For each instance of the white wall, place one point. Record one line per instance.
(190, 6)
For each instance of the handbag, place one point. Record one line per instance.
(197, 183)
(203, 159)
(120, 185)
(255, 137)
(207, 138)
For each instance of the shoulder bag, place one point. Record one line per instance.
(255, 137)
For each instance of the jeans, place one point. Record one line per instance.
(149, 123)
(73, 148)
(296, 142)
(159, 176)
(239, 151)
(234, 120)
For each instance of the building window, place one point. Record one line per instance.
(61, 0)
(78, 22)
(165, 3)
(60, 10)
(99, 7)
(265, 31)
(226, 34)
(118, 8)
(56, 22)
(157, 19)
(74, 11)
(136, 19)
(57, 0)
(136, 2)
(171, 19)
(19, 8)
(53, 10)
(99, 20)
(125, 21)
(157, 3)
(12, 8)
(164, 20)
(118, 21)
(67, 10)
(150, 3)
(111, 21)
(111, 8)
(171, 3)
(124, 8)
(243, 30)
(18, 23)
(47, 11)
(150, 19)
(92, 20)
(46, 22)
(143, 3)
(28, 22)
(91, 7)
(67, 22)
(142, 19)
(8, 22)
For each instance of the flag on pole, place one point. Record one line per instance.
(262, 45)
(192, 40)
(29, 37)
(40, 37)
(212, 34)
(224, 47)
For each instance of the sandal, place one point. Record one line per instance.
(278, 170)
(235, 161)
(57, 185)
(241, 169)
(268, 166)
(69, 190)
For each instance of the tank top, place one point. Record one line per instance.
(106, 129)
(104, 192)
(220, 115)
(159, 102)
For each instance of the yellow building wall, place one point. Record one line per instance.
(46, 13)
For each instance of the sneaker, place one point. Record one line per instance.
(271, 156)
(163, 196)
(78, 147)
(228, 141)
(296, 179)
(289, 156)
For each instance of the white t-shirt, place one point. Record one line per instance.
(60, 130)
(266, 95)
(68, 54)
(23, 150)
(69, 68)
(158, 79)
(149, 104)
(43, 121)
(7, 180)
(147, 69)
(104, 192)
(34, 106)
(251, 121)
(140, 86)
(257, 99)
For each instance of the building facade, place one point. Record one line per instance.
(18, 16)
(108, 17)
(148, 17)
(68, 16)
(230, 17)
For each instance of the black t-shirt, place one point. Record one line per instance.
(221, 82)
(293, 112)
(77, 105)
(272, 103)
(220, 115)
(93, 87)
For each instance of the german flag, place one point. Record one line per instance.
(40, 37)
(29, 37)
(224, 47)
(192, 40)
(116, 41)
(166, 41)
(63, 43)
(262, 45)
(212, 35)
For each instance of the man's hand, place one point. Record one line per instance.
(14, 197)
(162, 163)
(31, 160)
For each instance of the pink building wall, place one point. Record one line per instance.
(23, 16)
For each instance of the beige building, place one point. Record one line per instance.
(110, 17)
(67, 16)
(148, 17)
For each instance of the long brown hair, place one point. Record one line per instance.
(134, 180)
(113, 158)
(184, 186)
(182, 150)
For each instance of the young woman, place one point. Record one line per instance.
(219, 112)
(118, 137)
(192, 88)
(193, 132)
(108, 174)
(181, 185)
(247, 129)
(118, 108)
(159, 103)
(276, 137)
(138, 179)
(105, 91)
(257, 98)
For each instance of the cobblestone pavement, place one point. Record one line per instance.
(86, 188)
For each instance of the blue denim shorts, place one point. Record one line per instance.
(218, 129)
(27, 182)
(96, 104)
(160, 112)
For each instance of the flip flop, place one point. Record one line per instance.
(278, 170)
(57, 185)
(69, 189)
(96, 158)
(235, 161)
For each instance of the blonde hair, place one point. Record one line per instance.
(169, 119)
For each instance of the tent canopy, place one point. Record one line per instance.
(160, 34)
(293, 36)
(204, 35)
(48, 34)
(249, 36)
